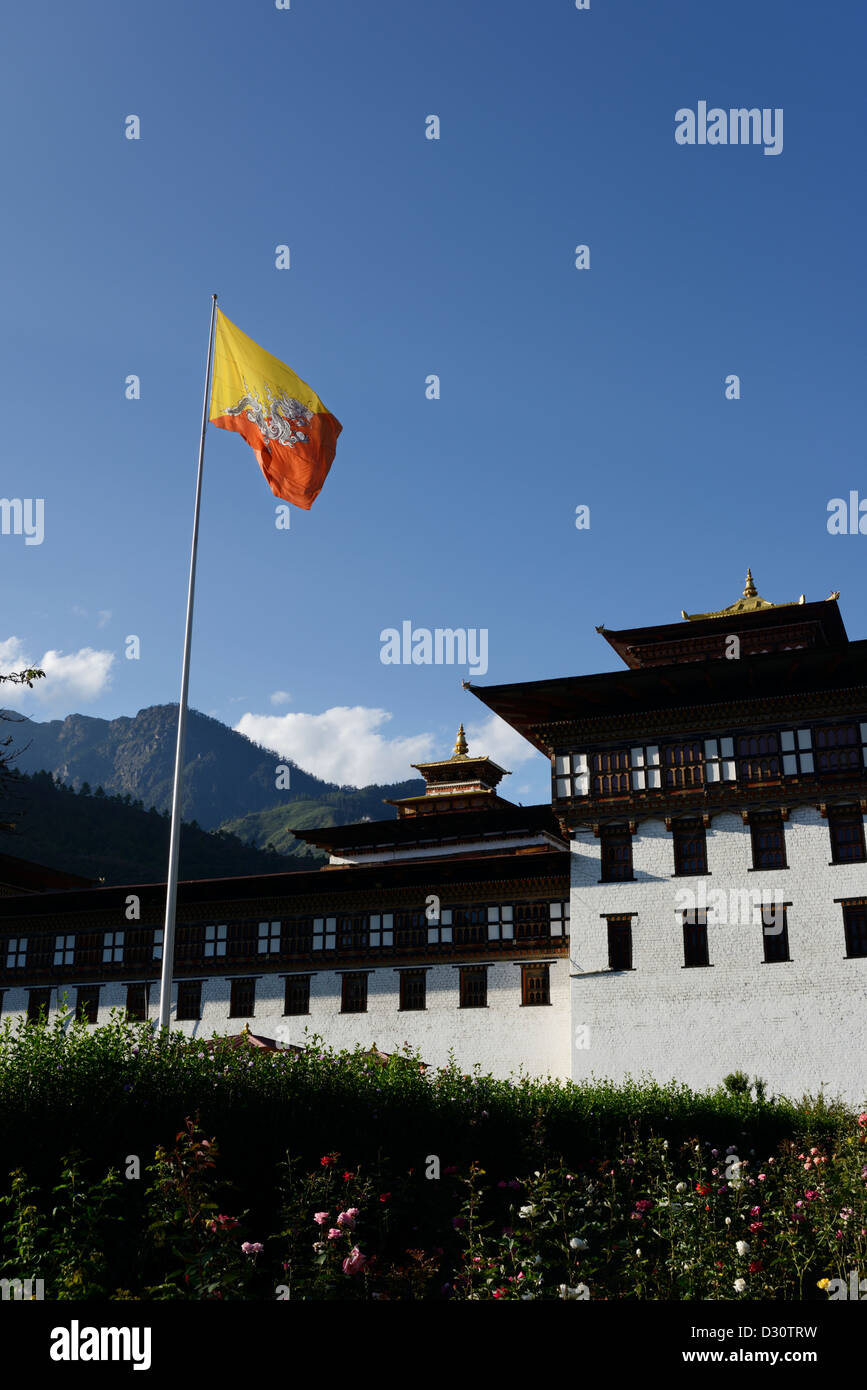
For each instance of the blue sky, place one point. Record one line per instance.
(412, 257)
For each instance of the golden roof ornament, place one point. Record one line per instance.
(460, 749)
(751, 601)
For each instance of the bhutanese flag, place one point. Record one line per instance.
(285, 423)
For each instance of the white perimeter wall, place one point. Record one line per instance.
(799, 1025)
(502, 1038)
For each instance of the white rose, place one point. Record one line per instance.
(743, 1247)
(529, 1210)
(577, 1244)
(740, 1285)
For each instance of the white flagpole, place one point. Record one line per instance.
(175, 842)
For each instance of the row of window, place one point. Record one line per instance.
(750, 759)
(775, 936)
(473, 994)
(845, 825)
(358, 932)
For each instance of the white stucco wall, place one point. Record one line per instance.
(800, 1025)
(502, 1038)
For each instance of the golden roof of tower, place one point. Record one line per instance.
(749, 602)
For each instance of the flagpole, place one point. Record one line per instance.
(175, 840)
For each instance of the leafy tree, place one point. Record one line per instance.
(25, 677)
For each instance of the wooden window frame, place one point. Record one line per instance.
(302, 984)
(87, 1002)
(838, 816)
(619, 928)
(611, 838)
(410, 981)
(242, 989)
(349, 981)
(135, 1016)
(543, 972)
(859, 912)
(189, 988)
(471, 975)
(684, 831)
(761, 822)
(695, 940)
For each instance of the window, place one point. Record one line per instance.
(64, 950)
(474, 987)
(189, 999)
(646, 771)
(620, 942)
(413, 989)
(558, 918)
(719, 761)
(215, 941)
(855, 925)
(38, 1005)
(324, 933)
(298, 935)
(16, 952)
(439, 929)
(610, 772)
(137, 1002)
(382, 929)
(797, 756)
(112, 946)
(158, 943)
(571, 777)
(758, 757)
(500, 924)
(683, 765)
(471, 926)
(535, 985)
(616, 854)
(87, 1004)
(243, 941)
(769, 849)
(297, 998)
(242, 999)
(838, 748)
(354, 994)
(846, 825)
(695, 951)
(775, 933)
(269, 938)
(690, 847)
(353, 933)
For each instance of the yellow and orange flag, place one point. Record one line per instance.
(285, 423)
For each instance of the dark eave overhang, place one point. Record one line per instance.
(327, 882)
(534, 708)
(823, 618)
(433, 828)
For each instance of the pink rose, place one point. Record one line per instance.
(252, 1247)
(345, 1220)
(862, 1119)
(354, 1262)
(320, 1217)
(334, 1233)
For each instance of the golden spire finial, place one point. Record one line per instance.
(750, 590)
(460, 749)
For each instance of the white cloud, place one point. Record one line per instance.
(281, 697)
(340, 745)
(500, 741)
(103, 616)
(82, 675)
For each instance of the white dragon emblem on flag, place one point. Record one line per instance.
(277, 417)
